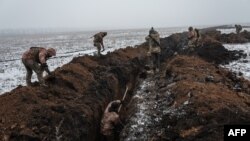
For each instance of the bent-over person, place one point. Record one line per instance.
(98, 41)
(35, 60)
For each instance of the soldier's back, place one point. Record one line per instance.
(98, 37)
(110, 119)
(33, 53)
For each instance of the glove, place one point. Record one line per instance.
(49, 73)
(44, 65)
(46, 68)
(122, 102)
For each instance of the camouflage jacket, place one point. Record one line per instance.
(36, 54)
(154, 42)
(98, 38)
(192, 35)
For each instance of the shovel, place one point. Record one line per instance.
(124, 96)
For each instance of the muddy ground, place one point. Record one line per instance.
(192, 97)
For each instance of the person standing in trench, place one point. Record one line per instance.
(110, 121)
(154, 50)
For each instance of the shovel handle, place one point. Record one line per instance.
(124, 96)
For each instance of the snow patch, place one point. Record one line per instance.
(242, 65)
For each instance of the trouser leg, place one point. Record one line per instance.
(151, 61)
(156, 61)
(39, 72)
(191, 43)
(99, 51)
(98, 46)
(28, 76)
(28, 73)
(40, 78)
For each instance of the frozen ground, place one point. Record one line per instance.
(152, 101)
(242, 65)
(143, 117)
(68, 45)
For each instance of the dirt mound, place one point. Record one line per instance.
(190, 100)
(213, 51)
(209, 49)
(206, 97)
(243, 37)
(72, 106)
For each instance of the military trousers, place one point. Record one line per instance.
(31, 66)
(155, 57)
(98, 46)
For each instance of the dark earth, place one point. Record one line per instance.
(194, 96)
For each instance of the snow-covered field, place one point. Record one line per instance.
(242, 65)
(68, 45)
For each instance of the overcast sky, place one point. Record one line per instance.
(120, 14)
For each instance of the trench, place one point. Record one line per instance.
(143, 113)
(145, 105)
(72, 107)
(151, 102)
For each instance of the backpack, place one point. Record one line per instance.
(197, 33)
(35, 52)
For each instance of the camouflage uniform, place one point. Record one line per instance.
(154, 48)
(110, 119)
(192, 37)
(35, 60)
(98, 41)
(238, 28)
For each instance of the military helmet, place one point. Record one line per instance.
(190, 28)
(152, 30)
(104, 33)
(51, 52)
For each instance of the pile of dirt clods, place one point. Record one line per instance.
(201, 96)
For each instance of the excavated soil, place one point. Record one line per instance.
(190, 99)
(200, 96)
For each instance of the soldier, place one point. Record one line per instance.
(238, 28)
(35, 60)
(192, 37)
(98, 41)
(110, 120)
(154, 48)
